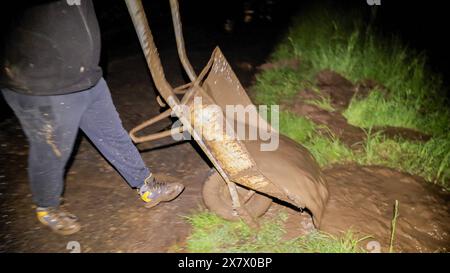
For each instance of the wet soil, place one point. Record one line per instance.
(362, 200)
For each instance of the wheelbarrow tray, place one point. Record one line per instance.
(288, 173)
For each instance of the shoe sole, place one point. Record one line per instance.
(62, 232)
(169, 198)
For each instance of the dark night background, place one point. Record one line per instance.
(422, 25)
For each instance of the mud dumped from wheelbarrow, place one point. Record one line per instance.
(362, 200)
(292, 169)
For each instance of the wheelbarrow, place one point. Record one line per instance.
(245, 178)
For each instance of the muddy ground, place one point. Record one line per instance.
(362, 200)
(114, 219)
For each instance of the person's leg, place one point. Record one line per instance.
(102, 124)
(51, 125)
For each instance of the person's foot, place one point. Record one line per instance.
(58, 220)
(154, 192)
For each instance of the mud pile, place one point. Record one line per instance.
(363, 198)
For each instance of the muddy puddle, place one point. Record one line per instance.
(362, 200)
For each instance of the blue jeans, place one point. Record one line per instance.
(51, 125)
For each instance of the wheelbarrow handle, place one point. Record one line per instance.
(145, 36)
(174, 8)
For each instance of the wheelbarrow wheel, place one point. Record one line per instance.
(218, 200)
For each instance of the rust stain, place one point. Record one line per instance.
(225, 147)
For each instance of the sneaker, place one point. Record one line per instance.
(154, 192)
(58, 220)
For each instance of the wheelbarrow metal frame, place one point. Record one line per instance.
(145, 36)
(230, 156)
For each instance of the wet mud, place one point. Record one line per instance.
(362, 200)
(293, 171)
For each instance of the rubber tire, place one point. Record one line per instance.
(218, 200)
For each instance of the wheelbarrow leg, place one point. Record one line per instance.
(241, 211)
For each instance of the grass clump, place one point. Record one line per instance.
(298, 128)
(431, 159)
(323, 103)
(326, 151)
(372, 110)
(379, 110)
(278, 84)
(214, 234)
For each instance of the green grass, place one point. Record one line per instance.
(328, 40)
(371, 111)
(323, 103)
(431, 159)
(213, 234)
(299, 129)
(277, 84)
(413, 97)
(378, 110)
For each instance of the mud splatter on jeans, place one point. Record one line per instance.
(51, 124)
